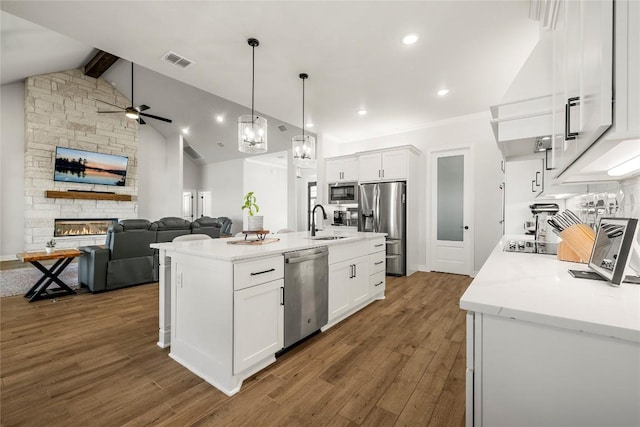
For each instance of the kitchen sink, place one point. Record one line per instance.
(328, 237)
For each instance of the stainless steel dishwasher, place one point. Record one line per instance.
(306, 293)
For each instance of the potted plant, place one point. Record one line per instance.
(50, 246)
(254, 222)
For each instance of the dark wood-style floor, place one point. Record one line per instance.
(90, 360)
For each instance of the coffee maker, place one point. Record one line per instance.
(541, 212)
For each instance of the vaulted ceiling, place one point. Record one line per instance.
(352, 51)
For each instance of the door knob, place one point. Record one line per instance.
(466, 227)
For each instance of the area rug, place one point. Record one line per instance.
(19, 280)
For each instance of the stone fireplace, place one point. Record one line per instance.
(67, 227)
(61, 111)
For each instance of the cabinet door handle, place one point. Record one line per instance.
(383, 173)
(533, 182)
(355, 270)
(571, 102)
(378, 263)
(378, 284)
(262, 272)
(350, 271)
(377, 246)
(379, 173)
(281, 295)
(537, 176)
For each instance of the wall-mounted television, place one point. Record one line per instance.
(87, 167)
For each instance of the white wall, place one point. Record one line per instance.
(225, 180)
(191, 175)
(152, 156)
(11, 170)
(474, 131)
(269, 182)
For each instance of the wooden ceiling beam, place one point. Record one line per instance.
(99, 64)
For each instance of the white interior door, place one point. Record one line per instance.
(204, 203)
(451, 234)
(187, 204)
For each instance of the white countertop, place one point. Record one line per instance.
(538, 288)
(220, 249)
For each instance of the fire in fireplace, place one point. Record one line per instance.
(64, 227)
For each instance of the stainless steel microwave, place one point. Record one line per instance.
(343, 193)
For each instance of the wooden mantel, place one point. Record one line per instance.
(50, 194)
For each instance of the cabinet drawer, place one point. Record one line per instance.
(376, 245)
(343, 252)
(251, 273)
(377, 283)
(377, 262)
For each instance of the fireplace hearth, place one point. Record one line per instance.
(65, 227)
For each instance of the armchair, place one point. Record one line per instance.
(125, 260)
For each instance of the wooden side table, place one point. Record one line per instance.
(39, 290)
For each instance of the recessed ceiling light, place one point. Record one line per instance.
(219, 118)
(362, 112)
(309, 125)
(185, 131)
(410, 39)
(443, 92)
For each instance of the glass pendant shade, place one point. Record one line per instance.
(303, 146)
(252, 129)
(304, 151)
(252, 134)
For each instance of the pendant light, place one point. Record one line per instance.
(304, 146)
(252, 130)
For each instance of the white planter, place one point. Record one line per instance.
(254, 223)
(49, 250)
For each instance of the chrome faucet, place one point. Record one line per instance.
(313, 218)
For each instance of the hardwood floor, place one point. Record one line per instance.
(89, 360)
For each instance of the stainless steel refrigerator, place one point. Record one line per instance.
(382, 208)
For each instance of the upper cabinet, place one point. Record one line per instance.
(389, 165)
(577, 161)
(341, 169)
(583, 78)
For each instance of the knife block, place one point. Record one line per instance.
(577, 243)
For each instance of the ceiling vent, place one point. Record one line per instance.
(177, 60)
(191, 152)
(282, 128)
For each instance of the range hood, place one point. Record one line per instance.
(525, 114)
(520, 127)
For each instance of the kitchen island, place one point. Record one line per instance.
(221, 304)
(544, 348)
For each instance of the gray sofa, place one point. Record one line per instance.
(126, 258)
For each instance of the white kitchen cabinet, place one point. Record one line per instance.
(377, 266)
(348, 285)
(531, 374)
(340, 169)
(389, 165)
(619, 142)
(258, 320)
(524, 180)
(583, 78)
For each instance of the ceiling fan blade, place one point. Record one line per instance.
(156, 117)
(108, 103)
(142, 107)
(142, 122)
(110, 112)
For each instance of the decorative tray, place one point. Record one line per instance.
(253, 241)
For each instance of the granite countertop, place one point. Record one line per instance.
(538, 288)
(221, 250)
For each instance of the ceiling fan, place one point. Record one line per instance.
(134, 112)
